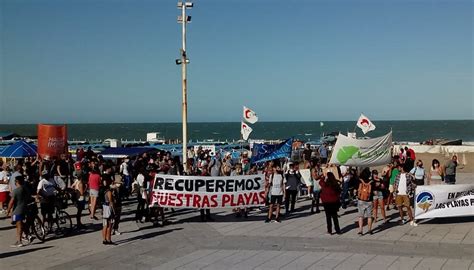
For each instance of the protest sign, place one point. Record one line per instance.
(444, 201)
(362, 153)
(266, 152)
(211, 148)
(208, 192)
(52, 140)
(306, 176)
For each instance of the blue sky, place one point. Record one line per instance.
(113, 60)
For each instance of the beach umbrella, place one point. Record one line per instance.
(20, 149)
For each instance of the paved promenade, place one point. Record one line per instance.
(299, 242)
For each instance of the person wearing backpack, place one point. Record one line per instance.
(364, 200)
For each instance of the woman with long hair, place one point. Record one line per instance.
(330, 194)
(435, 177)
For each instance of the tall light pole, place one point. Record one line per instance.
(184, 61)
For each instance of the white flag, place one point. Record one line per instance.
(250, 116)
(365, 124)
(245, 130)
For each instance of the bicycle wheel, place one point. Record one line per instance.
(64, 222)
(39, 229)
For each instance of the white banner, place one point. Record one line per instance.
(444, 201)
(200, 192)
(249, 115)
(362, 153)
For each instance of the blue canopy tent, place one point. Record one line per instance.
(20, 149)
(123, 152)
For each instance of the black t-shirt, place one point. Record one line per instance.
(63, 167)
(307, 154)
(379, 185)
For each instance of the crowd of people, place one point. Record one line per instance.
(92, 182)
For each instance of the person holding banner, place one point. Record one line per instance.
(435, 177)
(450, 171)
(419, 173)
(404, 190)
(277, 192)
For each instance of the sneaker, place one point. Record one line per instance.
(413, 223)
(17, 244)
(116, 232)
(267, 220)
(277, 220)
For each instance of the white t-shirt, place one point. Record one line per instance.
(141, 184)
(402, 185)
(277, 188)
(124, 168)
(3, 177)
(46, 188)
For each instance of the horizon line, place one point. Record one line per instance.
(201, 122)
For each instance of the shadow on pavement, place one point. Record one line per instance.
(6, 228)
(147, 236)
(447, 220)
(21, 251)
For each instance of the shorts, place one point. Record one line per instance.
(276, 199)
(4, 196)
(110, 220)
(16, 218)
(94, 193)
(402, 200)
(378, 196)
(364, 209)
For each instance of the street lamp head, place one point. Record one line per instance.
(178, 62)
(187, 5)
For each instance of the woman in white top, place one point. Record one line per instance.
(4, 188)
(436, 172)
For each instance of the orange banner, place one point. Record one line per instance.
(52, 140)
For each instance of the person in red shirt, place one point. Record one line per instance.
(94, 186)
(330, 194)
(410, 152)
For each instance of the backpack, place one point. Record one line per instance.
(364, 191)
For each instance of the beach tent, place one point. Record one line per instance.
(20, 149)
(123, 152)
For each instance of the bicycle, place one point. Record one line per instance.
(32, 225)
(61, 223)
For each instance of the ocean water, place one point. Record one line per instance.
(406, 131)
